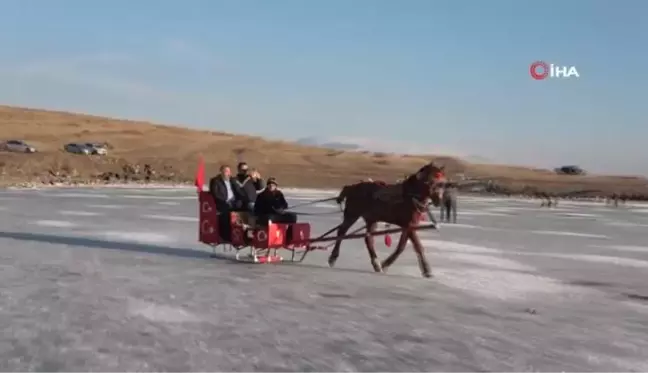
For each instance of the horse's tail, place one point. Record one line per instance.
(343, 195)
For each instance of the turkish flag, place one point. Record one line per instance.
(200, 175)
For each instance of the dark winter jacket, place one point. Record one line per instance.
(269, 202)
(248, 188)
(218, 190)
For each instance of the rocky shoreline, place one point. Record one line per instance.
(145, 174)
(166, 184)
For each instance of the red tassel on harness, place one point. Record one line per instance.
(388, 240)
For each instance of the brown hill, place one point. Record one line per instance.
(173, 153)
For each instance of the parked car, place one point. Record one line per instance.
(569, 170)
(18, 146)
(77, 148)
(97, 148)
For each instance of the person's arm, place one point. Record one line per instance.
(282, 201)
(240, 197)
(218, 192)
(261, 205)
(214, 190)
(258, 206)
(259, 184)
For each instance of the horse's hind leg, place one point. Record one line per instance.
(402, 241)
(369, 242)
(420, 253)
(342, 230)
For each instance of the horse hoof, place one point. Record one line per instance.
(331, 263)
(427, 275)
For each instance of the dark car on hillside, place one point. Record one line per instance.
(569, 170)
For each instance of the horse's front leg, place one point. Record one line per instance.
(420, 253)
(402, 241)
(342, 230)
(369, 242)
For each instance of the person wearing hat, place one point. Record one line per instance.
(271, 205)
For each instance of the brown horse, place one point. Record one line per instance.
(399, 204)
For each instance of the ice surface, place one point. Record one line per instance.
(112, 279)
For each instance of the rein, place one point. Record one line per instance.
(312, 202)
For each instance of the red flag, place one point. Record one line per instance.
(200, 175)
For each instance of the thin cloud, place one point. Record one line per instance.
(105, 72)
(190, 51)
(85, 71)
(95, 60)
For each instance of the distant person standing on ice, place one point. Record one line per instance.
(449, 202)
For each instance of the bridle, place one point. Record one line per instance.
(420, 199)
(438, 182)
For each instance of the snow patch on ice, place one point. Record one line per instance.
(504, 279)
(480, 213)
(79, 213)
(489, 261)
(460, 247)
(77, 195)
(145, 196)
(579, 215)
(171, 218)
(55, 223)
(465, 226)
(618, 223)
(110, 207)
(325, 206)
(571, 234)
(629, 248)
(139, 237)
(501, 284)
(508, 210)
(160, 313)
(628, 262)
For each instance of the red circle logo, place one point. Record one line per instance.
(539, 70)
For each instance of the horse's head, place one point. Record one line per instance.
(430, 183)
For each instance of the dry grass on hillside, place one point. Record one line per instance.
(176, 150)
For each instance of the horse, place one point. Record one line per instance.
(402, 204)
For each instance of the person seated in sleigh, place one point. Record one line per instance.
(227, 196)
(271, 205)
(249, 183)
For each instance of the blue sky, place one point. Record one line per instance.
(423, 75)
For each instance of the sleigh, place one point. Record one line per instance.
(261, 242)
